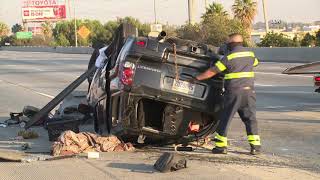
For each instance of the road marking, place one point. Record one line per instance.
(43, 94)
(38, 69)
(30, 89)
(286, 92)
(263, 85)
(278, 74)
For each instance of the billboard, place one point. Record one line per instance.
(43, 10)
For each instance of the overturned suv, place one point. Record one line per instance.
(144, 89)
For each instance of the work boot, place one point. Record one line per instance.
(219, 150)
(255, 150)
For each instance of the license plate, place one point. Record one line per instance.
(183, 86)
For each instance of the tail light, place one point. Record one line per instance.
(317, 79)
(127, 73)
(141, 43)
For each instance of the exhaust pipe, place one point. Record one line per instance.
(162, 36)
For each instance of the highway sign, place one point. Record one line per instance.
(84, 32)
(24, 35)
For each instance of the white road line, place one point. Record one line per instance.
(43, 94)
(38, 69)
(278, 74)
(285, 92)
(30, 89)
(264, 85)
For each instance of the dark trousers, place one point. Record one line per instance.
(242, 101)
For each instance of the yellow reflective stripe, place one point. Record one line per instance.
(221, 144)
(221, 141)
(256, 62)
(221, 138)
(239, 75)
(240, 54)
(221, 66)
(254, 140)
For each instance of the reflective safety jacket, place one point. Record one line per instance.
(237, 66)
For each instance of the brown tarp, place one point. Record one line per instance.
(72, 143)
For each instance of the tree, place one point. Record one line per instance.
(191, 32)
(217, 29)
(16, 28)
(143, 29)
(47, 30)
(245, 11)
(308, 40)
(64, 34)
(171, 30)
(318, 38)
(214, 30)
(277, 40)
(215, 9)
(4, 29)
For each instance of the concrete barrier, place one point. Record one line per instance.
(293, 55)
(66, 50)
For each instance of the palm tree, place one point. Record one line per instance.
(16, 28)
(47, 29)
(214, 9)
(4, 29)
(245, 11)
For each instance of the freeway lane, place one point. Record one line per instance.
(287, 106)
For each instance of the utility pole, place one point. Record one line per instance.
(265, 16)
(192, 11)
(155, 12)
(206, 3)
(75, 23)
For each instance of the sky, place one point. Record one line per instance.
(169, 11)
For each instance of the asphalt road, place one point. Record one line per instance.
(287, 106)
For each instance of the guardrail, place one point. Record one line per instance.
(278, 54)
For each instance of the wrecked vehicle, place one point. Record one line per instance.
(144, 90)
(310, 68)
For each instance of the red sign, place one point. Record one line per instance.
(44, 13)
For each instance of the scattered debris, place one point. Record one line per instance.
(71, 143)
(14, 156)
(22, 118)
(17, 138)
(56, 126)
(93, 155)
(28, 134)
(26, 146)
(183, 148)
(170, 162)
(3, 125)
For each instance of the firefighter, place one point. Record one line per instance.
(239, 96)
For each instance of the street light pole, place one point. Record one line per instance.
(265, 16)
(191, 11)
(155, 12)
(75, 23)
(206, 3)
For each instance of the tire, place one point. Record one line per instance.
(209, 129)
(30, 111)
